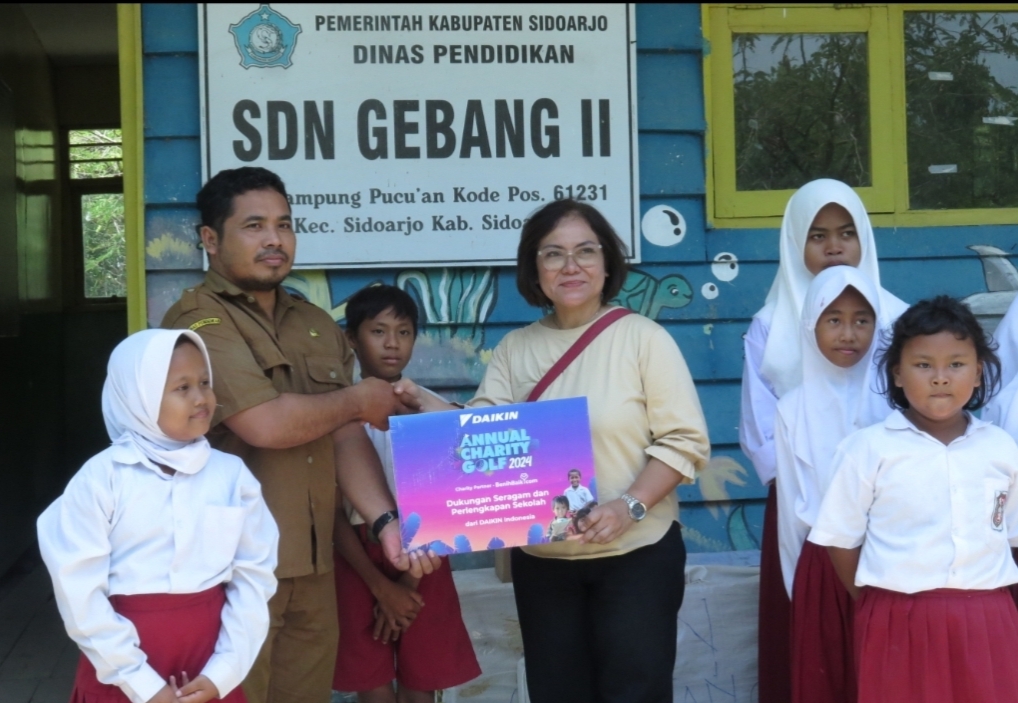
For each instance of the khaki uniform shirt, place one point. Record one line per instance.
(254, 360)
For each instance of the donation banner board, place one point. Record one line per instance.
(424, 134)
(487, 478)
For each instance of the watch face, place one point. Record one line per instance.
(638, 511)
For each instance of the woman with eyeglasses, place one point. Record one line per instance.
(599, 610)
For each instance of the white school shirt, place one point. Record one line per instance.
(927, 515)
(759, 405)
(129, 528)
(578, 497)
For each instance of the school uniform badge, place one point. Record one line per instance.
(999, 500)
(265, 38)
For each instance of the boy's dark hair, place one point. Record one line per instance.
(215, 199)
(541, 223)
(929, 317)
(560, 500)
(574, 471)
(372, 301)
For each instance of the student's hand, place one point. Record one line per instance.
(398, 604)
(607, 522)
(378, 402)
(384, 632)
(417, 563)
(409, 581)
(166, 694)
(200, 690)
(413, 395)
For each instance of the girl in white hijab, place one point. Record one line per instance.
(825, 225)
(161, 549)
(1000, 410)
(839, 394)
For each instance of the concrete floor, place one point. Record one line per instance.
(37, 659)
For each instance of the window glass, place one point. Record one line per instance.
(961, 90)
(801, 109)
(104, 245)
(95, 153)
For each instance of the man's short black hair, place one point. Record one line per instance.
(215, 199)
(368, 303)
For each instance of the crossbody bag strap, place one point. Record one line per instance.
(574, 351)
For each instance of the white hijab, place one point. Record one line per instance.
(1000, 410)
(782, 361)
(832, 402)
(135, 379)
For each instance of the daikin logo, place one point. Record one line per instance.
(473, 419)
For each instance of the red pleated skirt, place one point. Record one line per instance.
(941, 646)
(178, 633)
(775, 639)
(823, 668)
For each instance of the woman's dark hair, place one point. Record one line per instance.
(540, 225)
(368, 303)
(929, 317)
(215, 199)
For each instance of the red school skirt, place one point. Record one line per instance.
(435, 652)
(775, 637)
(178, 633)
(823, 668)
(940, 646)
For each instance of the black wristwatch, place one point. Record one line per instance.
(637, 510)
(383, 520)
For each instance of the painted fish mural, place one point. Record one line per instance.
(1001, 286)
(648, 296)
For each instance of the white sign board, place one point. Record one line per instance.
(424, 134)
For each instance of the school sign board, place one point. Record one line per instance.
(486, 478)
(424, 134)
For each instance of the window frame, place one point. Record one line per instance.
(887, 201)
(74, 188)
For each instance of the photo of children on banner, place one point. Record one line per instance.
(577, 494)
(558, 529)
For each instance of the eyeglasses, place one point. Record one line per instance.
(554, 259)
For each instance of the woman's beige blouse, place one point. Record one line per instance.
(642, 404)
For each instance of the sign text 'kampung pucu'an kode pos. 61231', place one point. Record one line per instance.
(424, 134)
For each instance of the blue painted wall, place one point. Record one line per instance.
(725, 510)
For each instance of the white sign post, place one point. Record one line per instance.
(424, 134)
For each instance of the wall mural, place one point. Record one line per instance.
(1001, 286)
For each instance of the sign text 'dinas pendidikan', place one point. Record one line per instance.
(423, 135)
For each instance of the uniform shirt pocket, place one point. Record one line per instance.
(995, 502)
(223, 527)
(326, 369)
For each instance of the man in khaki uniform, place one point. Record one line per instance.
(282, 374)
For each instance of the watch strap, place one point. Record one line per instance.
(632, 502)
(384, 519)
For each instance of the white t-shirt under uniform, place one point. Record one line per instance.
(927, 515)
(129, 528)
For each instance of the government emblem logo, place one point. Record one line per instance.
(265, 38)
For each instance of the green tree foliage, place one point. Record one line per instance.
(98, 154)
(801, 109)
(102, 224)
(950, 122)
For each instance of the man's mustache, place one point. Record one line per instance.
(272, 252)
